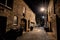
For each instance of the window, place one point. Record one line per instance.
(10, 3)
(2, 1)
(15, 20)
(7, 3)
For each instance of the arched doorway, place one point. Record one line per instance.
(23, 23)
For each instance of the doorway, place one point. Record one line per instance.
(23, 23)
(3, 23)
(28, 23)
(50, 27)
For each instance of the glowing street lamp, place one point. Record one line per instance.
(42, 9)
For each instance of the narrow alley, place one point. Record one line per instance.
(29, 19)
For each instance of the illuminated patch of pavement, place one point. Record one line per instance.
(36, 34)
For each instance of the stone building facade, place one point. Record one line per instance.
(19, 12)
(52, 19)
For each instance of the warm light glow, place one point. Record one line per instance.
(42, 9)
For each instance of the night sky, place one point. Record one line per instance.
(35, 4)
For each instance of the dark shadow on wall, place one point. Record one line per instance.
(11, 35)
(58, 27)
(3, 22)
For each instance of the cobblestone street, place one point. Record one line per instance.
(36, 34)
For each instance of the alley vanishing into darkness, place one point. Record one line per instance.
(37, 34)
(19, 17)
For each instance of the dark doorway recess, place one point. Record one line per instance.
(50, 28)
(58, 27)
(3, 22)
(24, 22)
(28, 23)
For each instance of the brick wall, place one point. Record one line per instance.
(17, 11)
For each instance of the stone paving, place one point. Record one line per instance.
(36, 34)
(51, 35)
